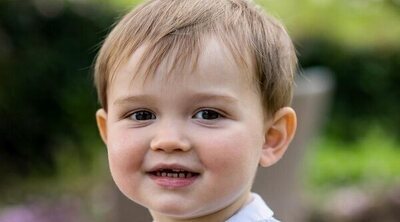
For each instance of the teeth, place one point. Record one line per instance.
(174, 173)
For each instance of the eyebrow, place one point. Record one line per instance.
(132, 99)
(198, 97)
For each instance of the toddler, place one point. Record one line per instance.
(194, 98)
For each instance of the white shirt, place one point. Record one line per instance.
(255, 211)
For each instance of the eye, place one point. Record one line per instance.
(142, 115)
(207, 114)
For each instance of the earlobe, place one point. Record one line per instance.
(278, 136)
(101, 119)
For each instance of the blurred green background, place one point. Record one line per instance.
(48, 138)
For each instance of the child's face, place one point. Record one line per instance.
(185, 147)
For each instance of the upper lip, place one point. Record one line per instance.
(174, 166)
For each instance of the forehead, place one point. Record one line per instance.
(212, 55)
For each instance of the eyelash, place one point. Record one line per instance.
(148, 113)
(206, 114)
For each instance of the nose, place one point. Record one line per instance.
(170, 138)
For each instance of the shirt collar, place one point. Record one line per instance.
(256, 210)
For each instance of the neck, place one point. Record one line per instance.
(221, 215)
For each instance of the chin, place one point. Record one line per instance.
(177, 212)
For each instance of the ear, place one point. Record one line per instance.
(278, 135)
(101, 119)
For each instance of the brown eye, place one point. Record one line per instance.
(142, 115)
(207, 114)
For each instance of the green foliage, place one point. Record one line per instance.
(352, 23)
(370, 160)
(366, 86)
(46, 95)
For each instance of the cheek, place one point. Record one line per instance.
(125, 153)
(232, 152)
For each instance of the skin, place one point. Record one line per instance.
(164, 121)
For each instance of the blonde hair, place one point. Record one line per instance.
(180, 25)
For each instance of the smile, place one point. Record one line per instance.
(173, 177)
(174, 173)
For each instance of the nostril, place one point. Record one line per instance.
(170, 137)
(170, 145)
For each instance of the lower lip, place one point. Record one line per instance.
(173, 183)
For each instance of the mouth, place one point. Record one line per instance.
(173, 176)
(173, 173)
